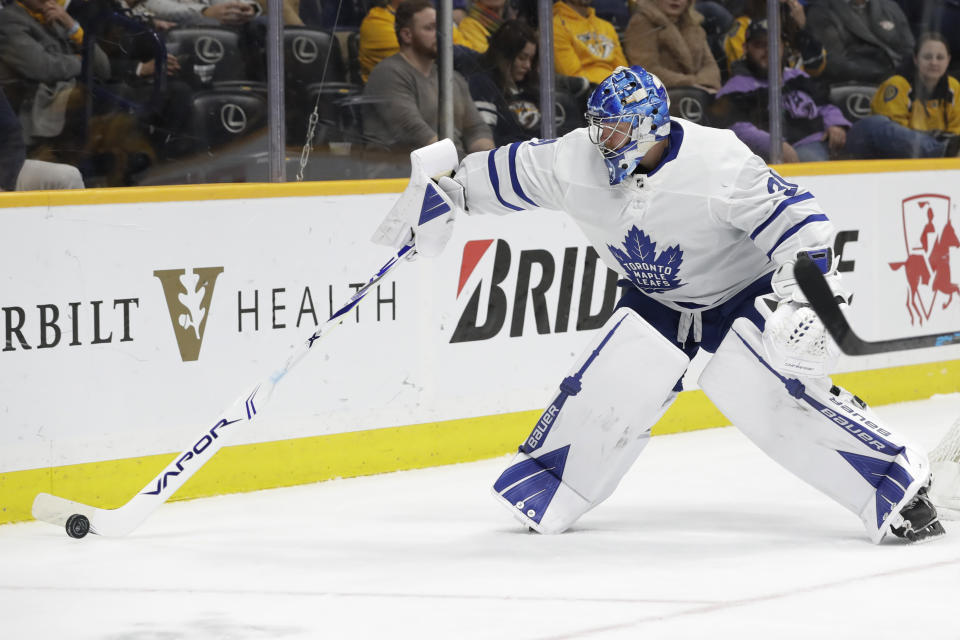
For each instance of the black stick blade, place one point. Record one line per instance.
(821, 298)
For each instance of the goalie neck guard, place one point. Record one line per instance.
(630, 112)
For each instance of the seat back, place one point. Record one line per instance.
(307, 52)
(208, 54)
(690, 103)
(353, 57)
(222, 116)
(853, 99)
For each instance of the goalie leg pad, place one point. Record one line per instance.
(595, 427)
(821, 433)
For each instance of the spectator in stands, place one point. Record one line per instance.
(86, 11)
(406, 86)
(941, 16)
(40, 46)
(17, 173)
(812, 129)
(506, 89)
(131, 47)
(291, 12)
(483, 18)
(378, 36)
(229, 13)
(914, 120)
(583, 44)
(666, 39)
(866, 41)
(801, 49)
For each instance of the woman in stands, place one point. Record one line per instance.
(666, 39)
(919, 119)
(506, 89)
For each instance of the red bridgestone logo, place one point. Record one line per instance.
(472, 253)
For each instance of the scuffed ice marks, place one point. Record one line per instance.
(209, 627)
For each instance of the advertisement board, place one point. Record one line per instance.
(129, 325)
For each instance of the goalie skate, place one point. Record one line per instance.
(918, 520)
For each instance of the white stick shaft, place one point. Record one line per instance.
(121, 521)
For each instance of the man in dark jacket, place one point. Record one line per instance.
(866, 40)
(40, 46)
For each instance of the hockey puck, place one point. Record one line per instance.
(77, 526)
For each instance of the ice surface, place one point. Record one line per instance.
(705, 538)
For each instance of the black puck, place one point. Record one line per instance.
(77, 526)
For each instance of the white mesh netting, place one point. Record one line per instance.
(945, 467)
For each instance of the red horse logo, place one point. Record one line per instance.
(929, 235)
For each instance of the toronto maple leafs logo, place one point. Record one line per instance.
(649, 271)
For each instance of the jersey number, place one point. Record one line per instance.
(777, 183)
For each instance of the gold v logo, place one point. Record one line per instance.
(188, 301)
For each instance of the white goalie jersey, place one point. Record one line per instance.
(709, 220)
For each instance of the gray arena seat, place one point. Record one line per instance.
(853, 99)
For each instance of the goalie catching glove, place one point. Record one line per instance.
(796, 342)
(425, 212)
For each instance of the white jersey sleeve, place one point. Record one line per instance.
(780, 217)
(512, 178)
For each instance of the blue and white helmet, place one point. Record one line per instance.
(629, 95)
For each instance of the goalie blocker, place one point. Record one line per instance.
(424, 213)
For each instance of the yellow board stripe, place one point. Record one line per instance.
(179, 193)
(304, 460)
(846, 167)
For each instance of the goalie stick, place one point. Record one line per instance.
(123, 520)
(821, 298)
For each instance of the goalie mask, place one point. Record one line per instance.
(627, 114)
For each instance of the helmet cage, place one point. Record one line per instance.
(601, 129)
(626, 115)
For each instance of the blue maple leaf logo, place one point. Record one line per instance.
(649, 271)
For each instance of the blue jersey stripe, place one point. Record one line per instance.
(817, 217)
(513, 174)
(776, 212)
(495, 181)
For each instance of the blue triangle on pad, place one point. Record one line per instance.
(433, 205)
